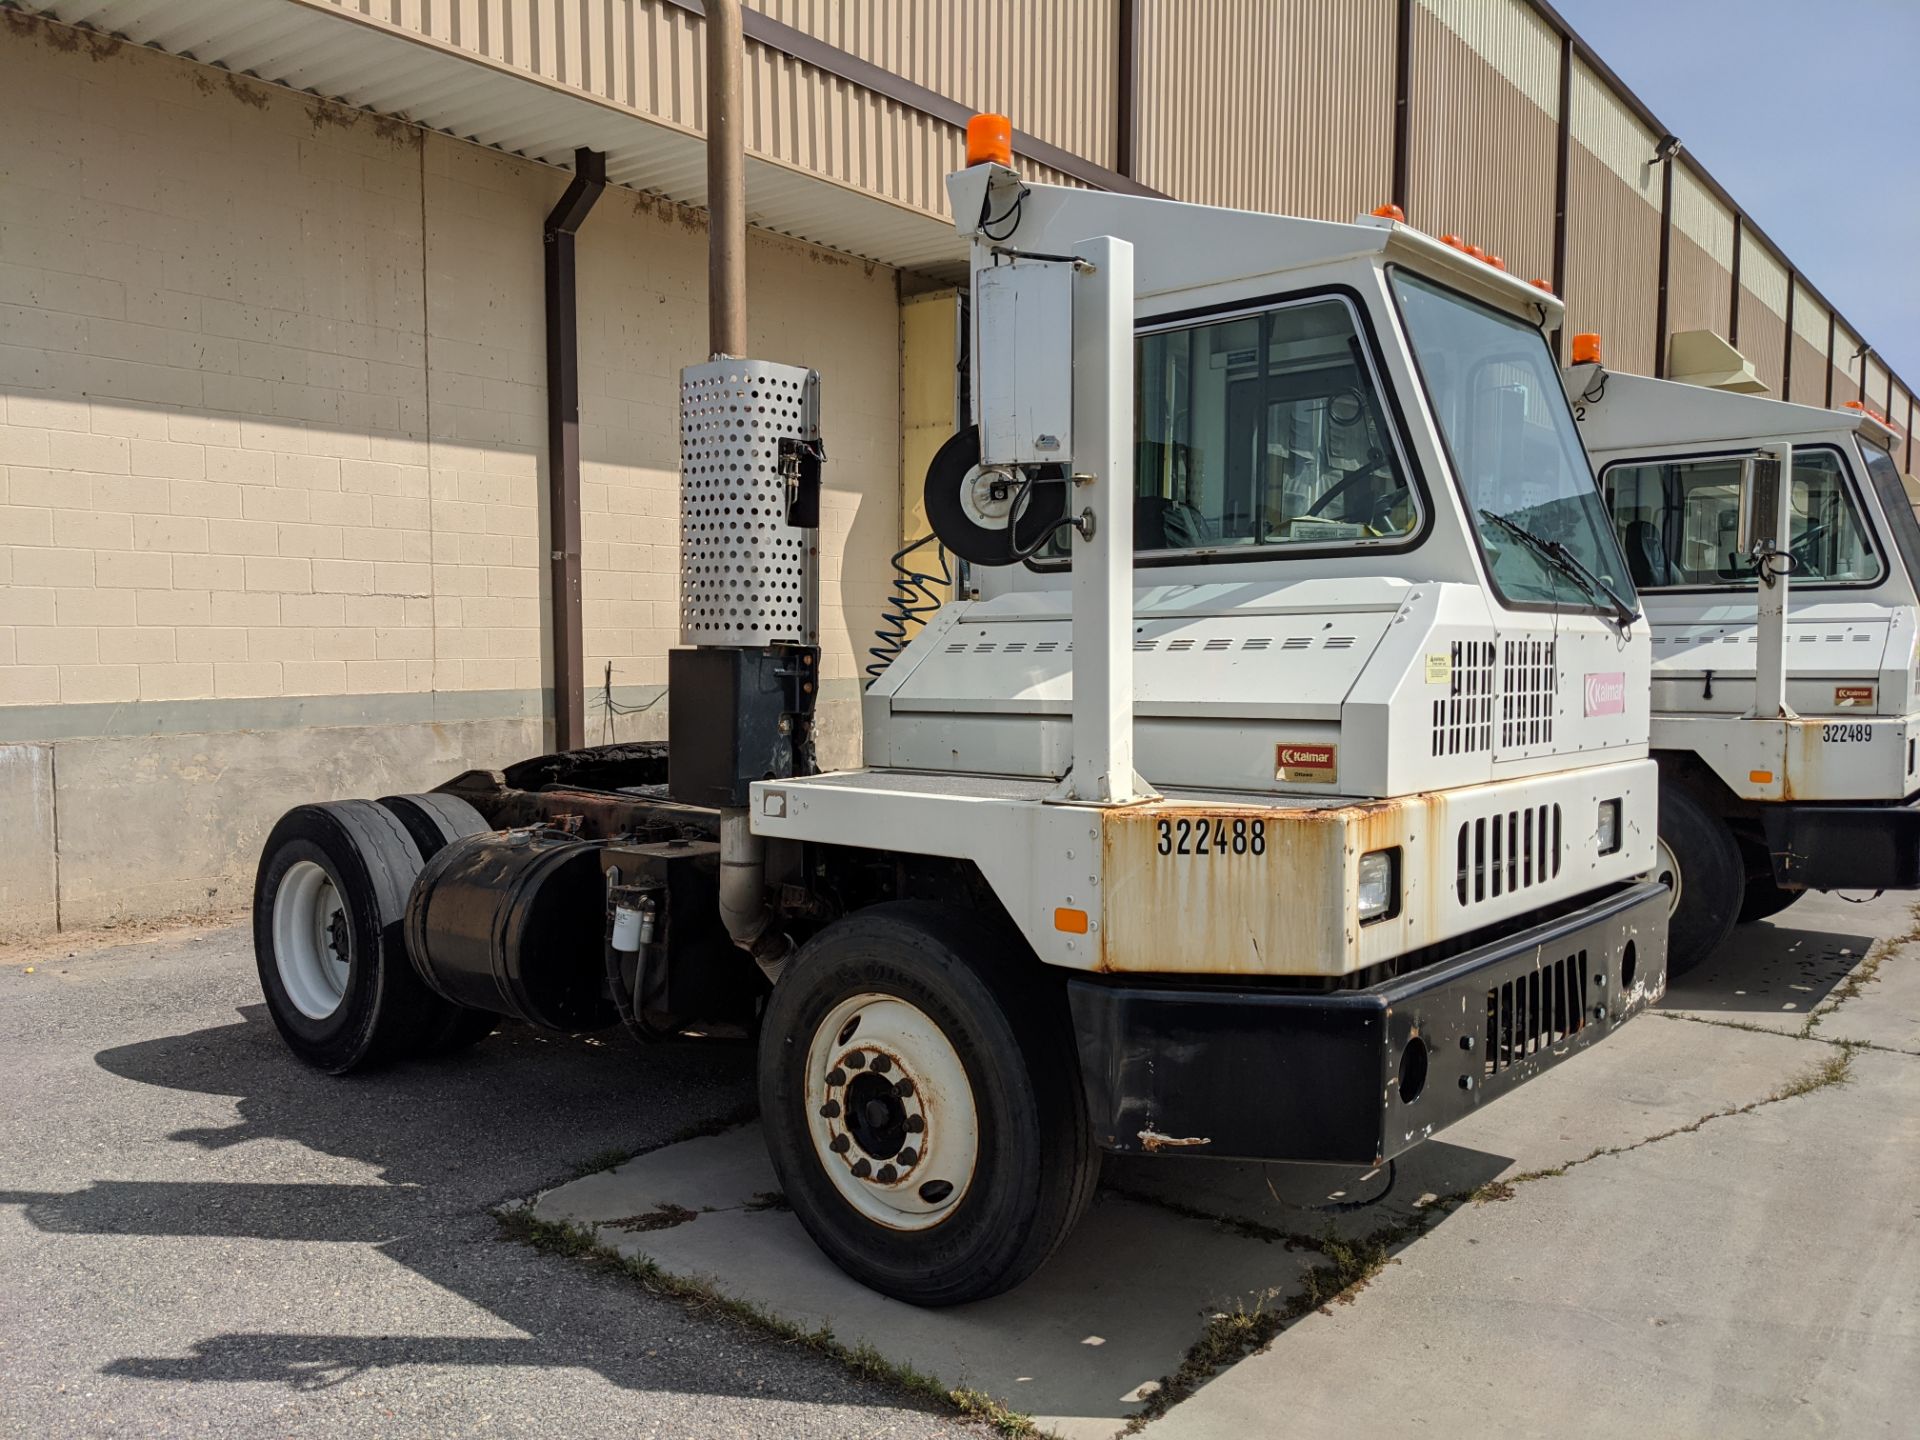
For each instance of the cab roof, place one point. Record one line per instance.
(1639, 412)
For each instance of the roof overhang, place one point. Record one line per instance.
(323, 50)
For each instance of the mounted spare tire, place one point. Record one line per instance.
(328, 899)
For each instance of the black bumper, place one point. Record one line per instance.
(1358, 1076)
(1844, 847)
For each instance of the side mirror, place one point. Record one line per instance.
(1762, 494)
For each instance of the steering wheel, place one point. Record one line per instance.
(1383, 505)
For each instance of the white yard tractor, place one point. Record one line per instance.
(1280, 789)
(1785, 645)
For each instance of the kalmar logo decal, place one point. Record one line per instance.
(1607, 693)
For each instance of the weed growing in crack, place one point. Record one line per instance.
(579, 1242)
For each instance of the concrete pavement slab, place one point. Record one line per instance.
(1115, 1310)
(1653, 1075)
(1757, 1276)
(1775, 972)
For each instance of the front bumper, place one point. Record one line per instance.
(1844, 847)
(1358, 1076)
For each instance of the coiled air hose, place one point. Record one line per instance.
(914, 598)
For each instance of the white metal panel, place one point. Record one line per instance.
(1023, 362)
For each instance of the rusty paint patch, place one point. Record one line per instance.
(1268, 893)
(1152, 1141)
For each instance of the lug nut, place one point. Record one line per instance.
(887, 1175)
(904, 1088)
(840, 1144)
(909, 1157)
(862, 1169)
(915, 1124)
(881, 1064)
(836, 1076)
(830, 1110)
(856, 1061)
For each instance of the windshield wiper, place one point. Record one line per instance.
(1568, 563)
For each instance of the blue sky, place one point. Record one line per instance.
(1808, 113)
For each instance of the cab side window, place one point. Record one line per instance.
(1679, 521)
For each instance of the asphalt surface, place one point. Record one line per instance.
(200, 1236)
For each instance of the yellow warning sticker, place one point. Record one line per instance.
(1439, 669)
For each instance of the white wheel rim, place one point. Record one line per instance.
(891, 1112)
(1668, 869)
(311, 945)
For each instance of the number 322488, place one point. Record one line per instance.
(1239, 836)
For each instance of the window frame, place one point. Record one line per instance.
(1848, 479)
(1575, 606)
(1393, 416)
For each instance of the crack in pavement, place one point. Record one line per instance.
(1796, 1035)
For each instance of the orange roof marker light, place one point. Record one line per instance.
(1391, 212)
(1852, 405)
(1586, 348)
(1546, 285)
(1454, 240)
(1496, 262)
(1476, 252)
(990, 140)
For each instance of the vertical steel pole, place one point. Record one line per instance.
(726, 184)
(1102, 770)
(1770, 663)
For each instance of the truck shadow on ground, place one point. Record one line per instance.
(451, 1139)
(1772, 969)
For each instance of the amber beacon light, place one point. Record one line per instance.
(990, 140)
(1586, 348)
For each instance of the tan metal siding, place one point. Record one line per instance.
(1876, 384)
(1809, 349)
(1048, 64)
(1484, 130)
(1699, 289)
(1763, 340)
(1699, 215)
(1846, 369)
(645, 56)
(1613, 262)
(1277, 105)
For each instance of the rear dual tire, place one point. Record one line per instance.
(328, 898)
(922, 1103)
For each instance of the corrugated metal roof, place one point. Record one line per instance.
(317, 47)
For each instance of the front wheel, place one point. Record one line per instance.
(1700, 862)
(922, 1103)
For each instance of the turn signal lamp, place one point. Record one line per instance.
(990, 140)
(1391, 212)
(1586, 348)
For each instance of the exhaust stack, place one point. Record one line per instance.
(745, 682)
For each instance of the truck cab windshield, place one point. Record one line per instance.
(1510, 436)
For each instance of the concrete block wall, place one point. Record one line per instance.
(271, 463)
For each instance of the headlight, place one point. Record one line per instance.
(1608, 834)
(1379, 891)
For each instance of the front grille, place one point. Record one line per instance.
(1528, 677)
(1463, 718)
(1535, 1012)
(1499, 854)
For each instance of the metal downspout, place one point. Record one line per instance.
(563, 446)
